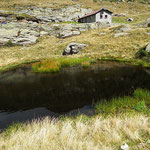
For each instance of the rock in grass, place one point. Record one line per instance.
(86, 110)
(124, 147)
(148, 48)
(120, 34)
(74, 48)
(123, 29)
(130, 19)
(67, 33)
(148, 22)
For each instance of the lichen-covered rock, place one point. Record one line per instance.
(74, 48)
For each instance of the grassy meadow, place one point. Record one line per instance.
(99, 46)
(118, 121)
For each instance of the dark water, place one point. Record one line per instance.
(71, 88)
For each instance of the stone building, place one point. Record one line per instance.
(103, 15)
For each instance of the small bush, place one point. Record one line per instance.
(9, 43)
(140, 106)
(142, 53)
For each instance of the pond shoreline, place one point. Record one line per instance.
(70, 88)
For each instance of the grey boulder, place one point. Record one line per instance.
(67, 33)
(74, 48)
(123, 29)
(86, 110)
(120, 34)
(148, 48)
(148, 23)
(130, 19)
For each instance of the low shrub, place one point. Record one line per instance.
(9, 43)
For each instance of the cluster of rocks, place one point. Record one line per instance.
(24, 33)
(23, 27)
(18, 33)
(75, 29)
(70, 13)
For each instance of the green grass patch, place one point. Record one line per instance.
(136, 18)
(70, 22)
(55, 65)
(13, 66)
(120, 20)
(139, 102)
(135, 62)
(140, 62)
(12, 128)
(115, 59)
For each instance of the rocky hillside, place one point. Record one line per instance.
(45, 28)
(24, 26)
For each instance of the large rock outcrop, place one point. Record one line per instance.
(69, 13)
(23, 27)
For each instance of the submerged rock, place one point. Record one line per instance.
(74, 48)
(86, 110)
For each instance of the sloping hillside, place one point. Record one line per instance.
(103, 42)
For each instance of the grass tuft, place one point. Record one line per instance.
(138, 103)
(55, 65)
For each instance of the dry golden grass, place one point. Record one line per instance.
(127, 8)
(99, 46)
(97, 133)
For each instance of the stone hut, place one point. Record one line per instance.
(103, 16)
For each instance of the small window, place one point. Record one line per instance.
(106, 16)
(101, 16)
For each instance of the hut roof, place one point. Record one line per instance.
(95, 12)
